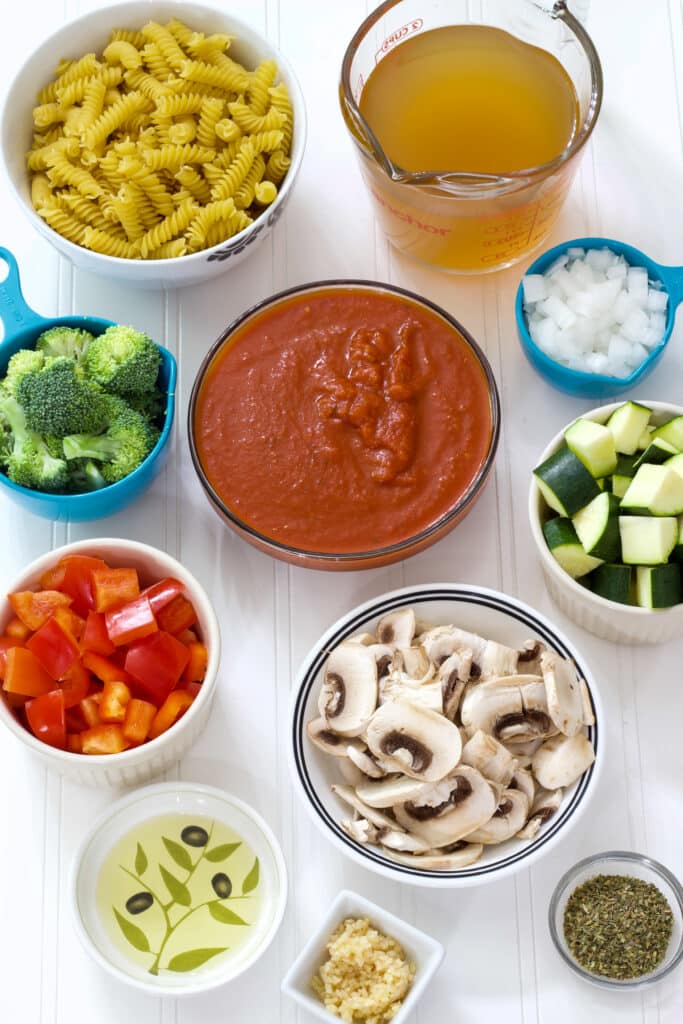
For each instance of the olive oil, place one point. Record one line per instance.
(177, 893)
(470, 98)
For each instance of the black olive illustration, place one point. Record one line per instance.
(140, 902)
(194, 835)
(222, 885)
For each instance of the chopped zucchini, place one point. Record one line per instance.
(647, 540)
(612, 582)
(658, 451)
(626, 465)
(675, 463)
(627, 424)
(565, 483)
(597, 527)
(677, 553)
(659, 586)
(671, 432)
(566, 549)
(657, 490)
(593, 443)
(620, 485)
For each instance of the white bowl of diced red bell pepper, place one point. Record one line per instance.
(109, 652)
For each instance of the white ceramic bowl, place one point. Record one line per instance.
(183, 798)
(479, 610)
(610, 620)
(421, 949)
(139, 764)
(91, 33)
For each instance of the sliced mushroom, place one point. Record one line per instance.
(467, 854)
(397, 628)
(563, 691)
(588, 713)
(413, 663)
(508, 817)
(489, 757)
(510, 708)
(366, 763)
(348, 695)
(544, 806)
(384, 657)
(529, 657)
(427, 695)
(352, 775)
(328, 741)
(454, 673)
(395, 789)
(524, 781)
(523, 752)
(562, 759)
(490, 657)
(469, 804)
(361, 638)
(363, 831)
(419, 742)
(349, 796)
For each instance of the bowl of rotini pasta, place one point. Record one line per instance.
(155, 143)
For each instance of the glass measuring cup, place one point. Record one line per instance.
(597, 385)
(467, 222)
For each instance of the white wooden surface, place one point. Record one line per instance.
(500, 964)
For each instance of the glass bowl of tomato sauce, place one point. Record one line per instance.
(344, 424)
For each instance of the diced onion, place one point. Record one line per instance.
(593, 311)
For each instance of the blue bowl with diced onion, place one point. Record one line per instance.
(594, 315)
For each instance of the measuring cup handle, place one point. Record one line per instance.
(672, 277)
(14, 312)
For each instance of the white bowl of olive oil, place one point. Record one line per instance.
(178, 888)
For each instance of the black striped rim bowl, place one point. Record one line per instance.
(479, 610)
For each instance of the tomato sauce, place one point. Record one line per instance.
(343, 420)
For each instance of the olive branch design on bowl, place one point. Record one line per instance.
(181, 904)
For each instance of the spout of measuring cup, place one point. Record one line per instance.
(15, 314)
(672, 279)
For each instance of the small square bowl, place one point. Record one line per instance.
(421, 949)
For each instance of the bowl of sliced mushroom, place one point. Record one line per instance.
(445, 734)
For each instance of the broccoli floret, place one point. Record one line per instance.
(26, 360)
(57, 402)
(84, 475)
(125, 443)
(32, 461)
(71, 342)
(151, 405)
(123, 361)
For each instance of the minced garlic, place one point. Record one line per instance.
(367, 975)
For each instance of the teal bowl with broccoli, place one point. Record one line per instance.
(86, 409)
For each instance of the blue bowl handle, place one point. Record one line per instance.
(14, 312)
(672, 277)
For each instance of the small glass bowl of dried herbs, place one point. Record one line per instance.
(617, 919)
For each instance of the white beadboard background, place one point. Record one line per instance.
(500, 965)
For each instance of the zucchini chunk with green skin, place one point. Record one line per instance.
(675, 463)
(657, 490)
(645, 438)
(597, 527)
(620, 485)
(658, 451)
(565, 483)
(612, 582)
(659, 586)
(671, 432)
(566, 549)
(626, 465)
(677, 553)
(593, 443)
(626, 424)
(647, 540)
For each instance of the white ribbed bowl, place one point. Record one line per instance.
(91, 32)
(620, 623)
(139, 764)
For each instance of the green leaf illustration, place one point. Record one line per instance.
(179, 892)
(135, 935)
(179, 853)
(221, 852)
(193, 958)
(224, 915)
(141, 861)
(251, 881)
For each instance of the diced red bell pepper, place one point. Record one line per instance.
(156, 663)
(6, 644)
(104, 739)
(114, 587)
(138, 719)
(104, 668)
(162, 593)
(115, 698)
(75, 720)
(35, 608)
(75, 685)
(187, 637)
(15, 700)
(17, 629)
(95, 637)
(70, 622)
(175, 705)
(90, 709)
(46, 718)
(53, 577)
(195, 670)
(74, 743)
(24, 674)
(192, 688)
(177, 616)
(130, 622)
(77, 582)
(55, 649)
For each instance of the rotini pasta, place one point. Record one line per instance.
(162, 146)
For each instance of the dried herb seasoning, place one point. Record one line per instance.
(618, 926)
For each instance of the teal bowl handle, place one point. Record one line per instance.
(672, 278)
(14, 312)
